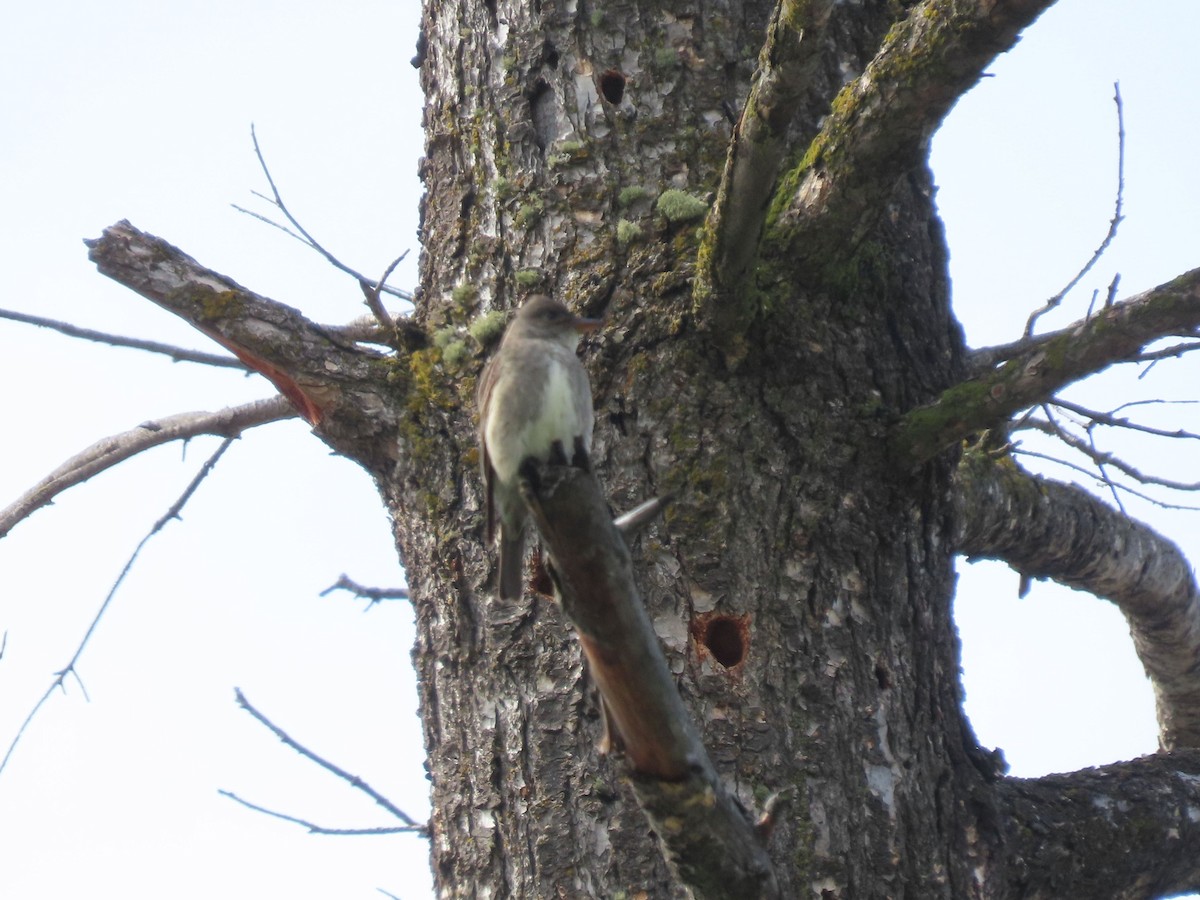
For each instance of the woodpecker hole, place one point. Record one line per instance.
(726, 638)
(882, 676)
(541, 111)
(612, 86)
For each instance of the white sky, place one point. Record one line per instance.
(142, 111)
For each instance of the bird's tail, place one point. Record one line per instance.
(512, 565)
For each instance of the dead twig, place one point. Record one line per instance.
(1102, 458)
(106, 453)
(177, 354)
(375, 595)
(1082, 470)
(1114, 223)
(70, 668)
(373, 289)
(321, 829)
(1112, 420)
(352, 780)
(372, 294)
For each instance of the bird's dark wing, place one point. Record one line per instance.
(483, 399)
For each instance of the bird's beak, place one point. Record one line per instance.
(586, 326)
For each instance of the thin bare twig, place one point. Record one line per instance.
(375, 595)
(1172, 352)
(1075, 467)
(372, 291)
(302, 235)
(178, 354)
(106, 453)
(1051, 426)
(70, 668)
(1112, 420)
(984, 358)
(1102, 458)
(353, 780)
(321, 829)
(1113, 224)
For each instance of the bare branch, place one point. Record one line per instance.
(1033, 376)
(374, 302)
(307, 363)
(375, 595)
(321, 829)
(106, 453)
(1045, 529)
(1113, 225)
(985, 358)
(882, 121)
(1102, 458)
(760, 141)
(352, 780)
(1154, 357)
(1113, 420)
(178, 354)
(302, 235)
(707, 838)
(1124, 830)
(1088, 473)
(70, 668)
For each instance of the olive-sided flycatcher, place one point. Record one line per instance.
(533, 394)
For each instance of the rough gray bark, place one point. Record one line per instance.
(1126, 830)
(801, 580)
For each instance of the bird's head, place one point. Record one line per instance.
(546, 318)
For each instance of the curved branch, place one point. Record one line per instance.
(881, 123)
(1045, 529)
(106, 453)
(1115, 334)
(1121, 831)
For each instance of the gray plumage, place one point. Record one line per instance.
(533, 394)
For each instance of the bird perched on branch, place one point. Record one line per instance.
(534, 401)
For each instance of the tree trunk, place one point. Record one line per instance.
(800, 582)
(779, 359)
